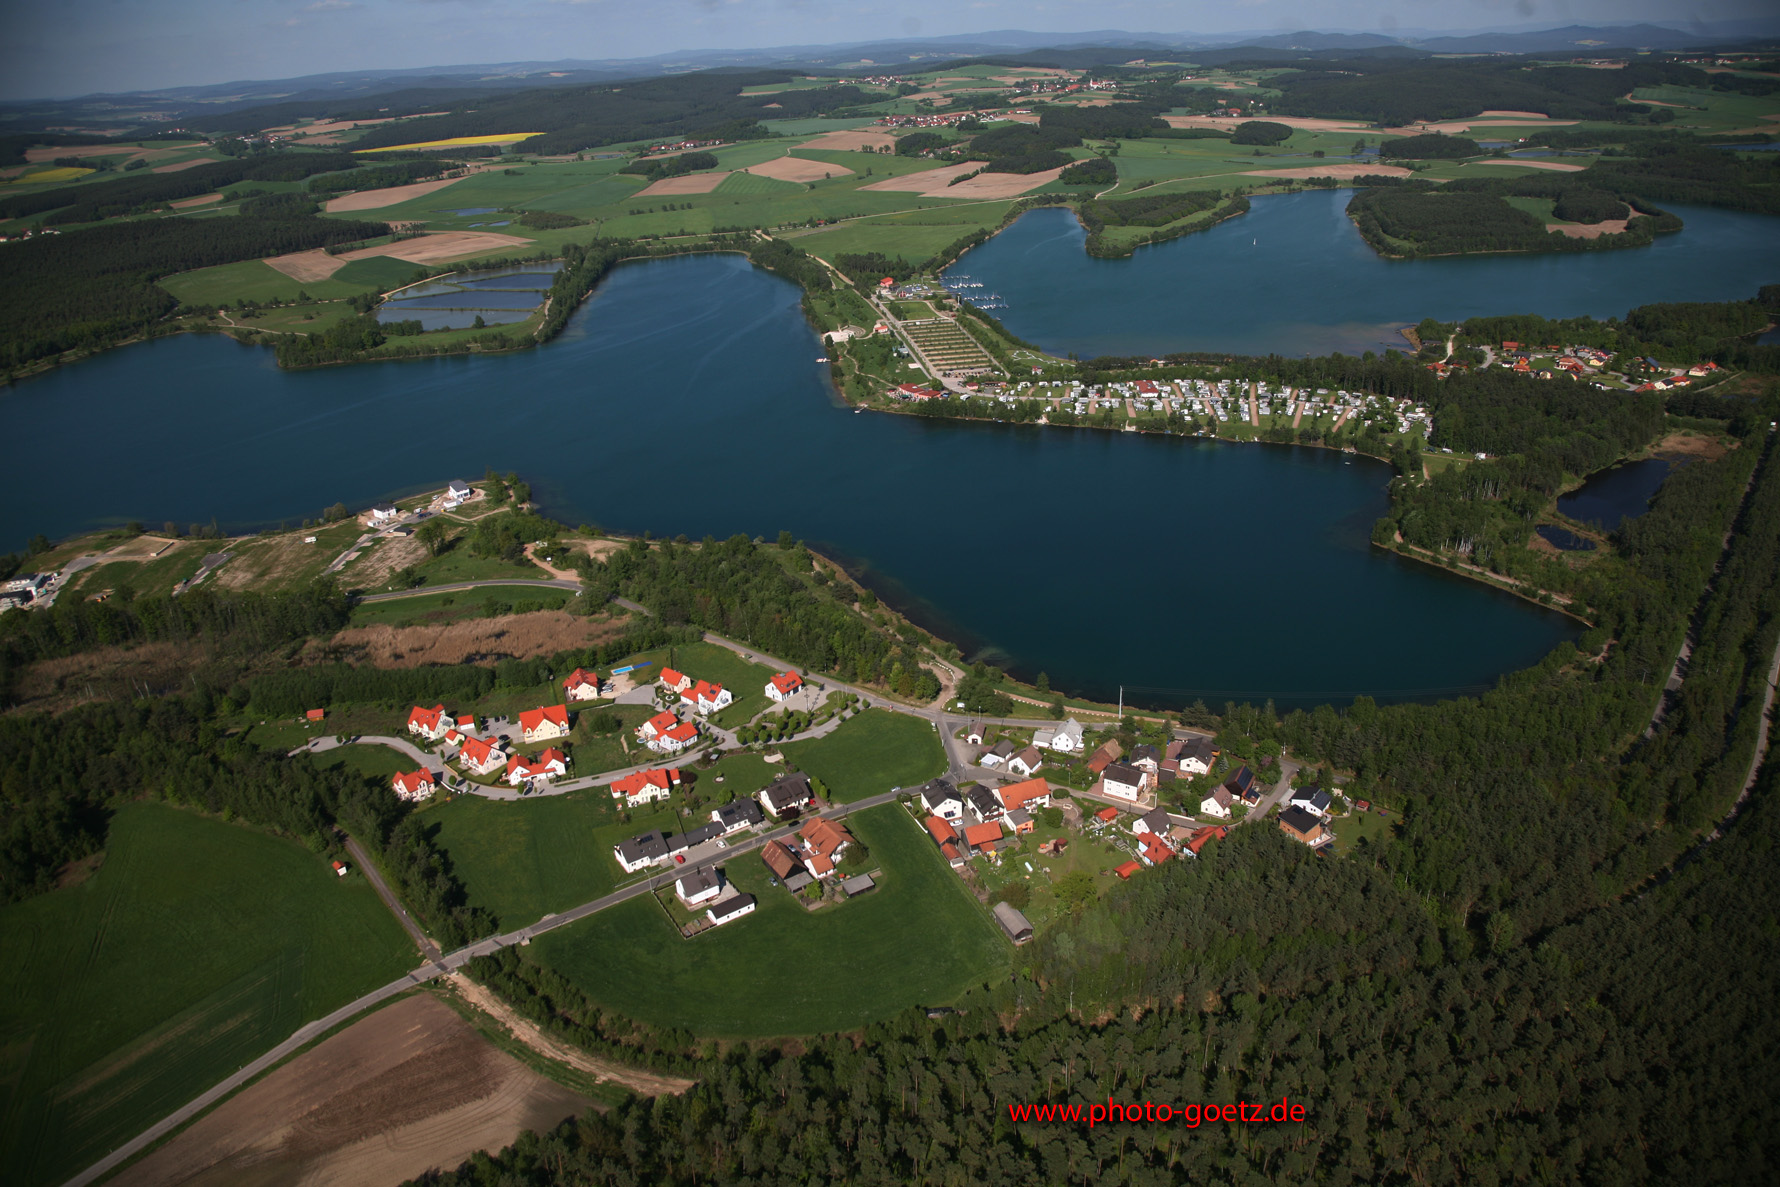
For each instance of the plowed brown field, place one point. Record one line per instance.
(410, 1088)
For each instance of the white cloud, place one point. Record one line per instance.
(329, 6)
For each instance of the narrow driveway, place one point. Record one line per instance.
(421, 940)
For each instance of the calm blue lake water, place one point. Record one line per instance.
(1222, 571)
(1614, 496)
(1293, 277)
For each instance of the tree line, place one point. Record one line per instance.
(125, 195)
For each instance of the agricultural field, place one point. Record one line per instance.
(194, 946)
(871, 753)
(919, 939)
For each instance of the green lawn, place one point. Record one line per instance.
(718, 665)
(595, 753)
(1376, 829)
(379, 762)
(256, 280)
(194, 948)
(433, 609)
(459, 564)
(524, 859)
(871, 753)
(753, 184)
(919, 939)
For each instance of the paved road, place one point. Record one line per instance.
(434, 968)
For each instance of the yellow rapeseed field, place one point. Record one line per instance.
(457, 142)
(49, 176)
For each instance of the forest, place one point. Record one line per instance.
(145, 191)
(89, 289)
(1433, 146)
(1466, 217)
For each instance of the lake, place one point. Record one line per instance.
(1614, 496)
(1293, 277)
(685, 397)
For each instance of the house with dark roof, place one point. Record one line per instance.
(1242, 785)
(983, 804)
(737, 816)
(788, 793)
(1026, 762)
(779, 859)
(941, 799)
(1016, 925)
(1145, 757)
(698, 886)
(1216, 803)
(1020, 820)
(728, 910)
(997, 754)
(1154, 821)
(641, 851)
(692, 838)
(857, 885)
(1125, 782)
(1312, 799)
(1196, 756)
(1300, 825)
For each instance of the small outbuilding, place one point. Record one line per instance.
(1016, 925)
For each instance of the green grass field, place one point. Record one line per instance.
(753, 185)
(919, 939)
(195, 947)
(717, 665)
(459, 565)
(433, 609)
(525, 859)
(378, 762)
(871, 753)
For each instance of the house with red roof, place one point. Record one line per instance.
(315, 714)
(1204, 836)
(1153, 850)
(641, 787)
(1107, 753)
(706, 698)
(677, 739)
(480, 757)
(941, 830)
(823, 843)
(544, 723)
(660, 724)
(783, 685)
(551, 764)
(1107, 815)
(414, 785)
(674, 681)
(1129, 868)
(466, 723)
(1033, 793)
(982, 838)
(581, 685)
(430, 724)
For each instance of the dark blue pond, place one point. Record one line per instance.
(1614, 496)
(1564, 539)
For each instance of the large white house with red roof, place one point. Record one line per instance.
(551, 764)
(480, 757)
(674, 681)
(414, 785)
(581, 685)
(430, 724)
(543, 724)
(640, 787)
(783, 685)
(706, 698)
(1033, 793)
(677, 738)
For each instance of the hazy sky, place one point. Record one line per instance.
(75, 47)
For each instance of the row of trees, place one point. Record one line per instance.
(97, 200)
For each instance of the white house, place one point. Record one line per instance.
(1125, 782)
(729, 909)
(786, 793)
(974, 735)
(941, 799)
(431, 724)
(1065, 739)
(700, 886)
(551, 764)
(674, 681)
(1216, 804)
(1312, 799)
(737, 816)
(1155, 821)
(385, 513)
(707, 698)
(1026, 763)
(414, 785)
(480, 757)
(457, 489)
(641, 852)
(783, 685)
(997, 754)
(581, 685)
(675, 739)
(1195, 757)
(641, 787)
(544, 723)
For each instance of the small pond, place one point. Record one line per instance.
(1614, 496)
(1564, 539)
(499, 296)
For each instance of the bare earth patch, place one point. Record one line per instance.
(391, 196)
(375, 567)
(918, 183)
(200, 200)
(644, 1083)
(1346, 169)
(178, 166)
(1588, 230)
(1451, 127)
(1554, 166)
(472, 640)
(428, 249)
(327, 126)
(686, 183)
(109, 673)
(411, 1088)
(798, 169)
(937, 183)
(852, 141)
(1690, 445)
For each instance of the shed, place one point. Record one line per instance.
(1016, 925)
(858, 884)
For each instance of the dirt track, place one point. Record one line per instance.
(637, 1080)
(1555, 166)
(410, 1088)
(390, 196)
(1588, 230)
